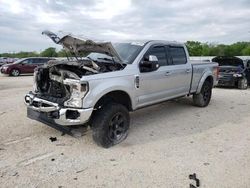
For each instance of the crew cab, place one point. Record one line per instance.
(23, 66)
(111, 80)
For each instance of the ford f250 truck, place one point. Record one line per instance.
(101, 82)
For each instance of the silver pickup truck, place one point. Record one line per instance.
(101, 82)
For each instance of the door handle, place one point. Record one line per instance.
(188, 70)
(167, 73)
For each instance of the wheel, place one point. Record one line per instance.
(203, 98)
(110, 124)
(242, 84)
(15, 72)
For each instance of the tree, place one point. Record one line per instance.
(49, 52)
(61, 53)
(194, 48)
(246, 51)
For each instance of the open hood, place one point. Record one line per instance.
(77, 45)
(227, 61)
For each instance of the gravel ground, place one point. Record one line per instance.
(166, 143)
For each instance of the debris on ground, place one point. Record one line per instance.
(62, 144)
(82, 170)
(15, 174)
(193, 177)
(2, 113)
(53, 139)
(52, 159)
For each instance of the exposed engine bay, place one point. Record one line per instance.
(50, 79)
(59, 80)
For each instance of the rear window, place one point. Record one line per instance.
(178, 55)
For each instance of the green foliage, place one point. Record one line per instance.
(20, 54)
(61, 53)
(195, 48)
(49, 52)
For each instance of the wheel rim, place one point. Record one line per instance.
(15, 72)
(206, 93)
(117, 127)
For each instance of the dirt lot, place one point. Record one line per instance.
(167, 142)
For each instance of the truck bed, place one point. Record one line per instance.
(199, 69)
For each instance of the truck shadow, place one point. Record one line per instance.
(174, 118)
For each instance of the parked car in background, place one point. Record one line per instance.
(232, 72)
(248, 71)
(7, 60)
(23, 66)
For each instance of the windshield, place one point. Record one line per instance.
(127, 52)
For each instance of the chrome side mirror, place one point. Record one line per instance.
(152, 58)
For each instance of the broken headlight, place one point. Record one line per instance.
(78, 90)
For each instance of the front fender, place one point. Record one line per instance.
(99, 88)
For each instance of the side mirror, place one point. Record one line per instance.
(149, 64)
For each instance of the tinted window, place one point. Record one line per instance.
(178, 55)
(27, 61)
(39, 61)
(160, 53)
(42, 61)
(35, 61)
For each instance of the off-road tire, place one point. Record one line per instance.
(242, 84)
(106, 132)
(15, 72)
(203, 98)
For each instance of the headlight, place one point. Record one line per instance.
(237, 75)
(78, 90)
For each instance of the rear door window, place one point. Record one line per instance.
(178, 55)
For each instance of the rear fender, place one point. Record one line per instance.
(202, 80)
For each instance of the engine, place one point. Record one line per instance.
(56, 80)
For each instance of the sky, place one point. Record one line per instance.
(212, 21)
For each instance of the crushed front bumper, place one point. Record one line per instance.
(227, 80)
(51, 113)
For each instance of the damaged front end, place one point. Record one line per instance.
(58, 92)
(57, 97)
